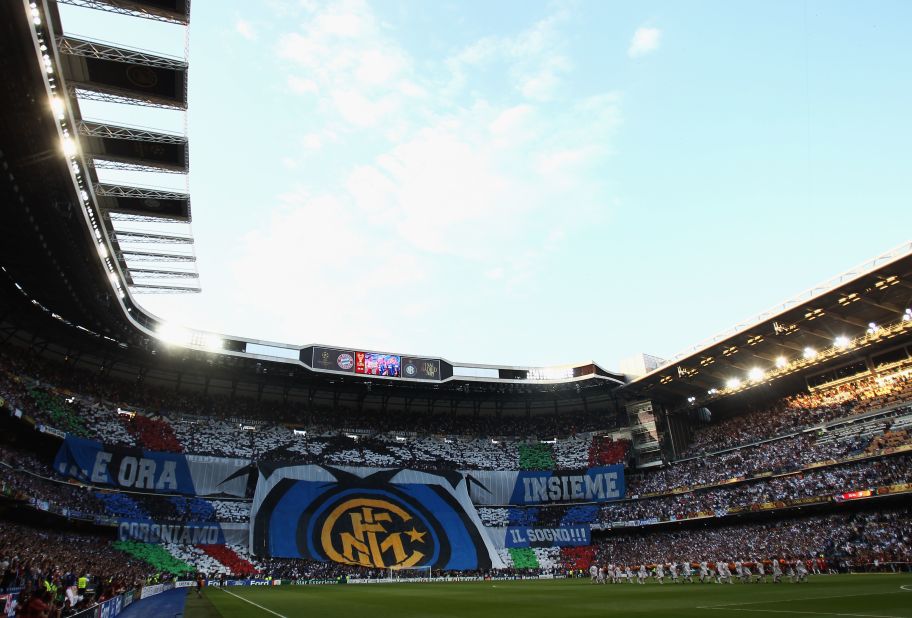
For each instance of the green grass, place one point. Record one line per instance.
(203, 607)
(843, 595)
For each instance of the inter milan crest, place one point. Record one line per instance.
(391, 518)
(375, 532)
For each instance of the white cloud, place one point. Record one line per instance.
(358, 74)
(450, 191)
(645, 40)
(245, 29)
(535, 58)
(378, 66)
(341, 282)
(440, 176)
(301, 85)
(344, 20)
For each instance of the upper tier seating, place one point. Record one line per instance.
(606, 451)
(154, 434)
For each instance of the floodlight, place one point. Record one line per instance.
(755, 374)
(68, 146)
(781, 362)
(57, 107)
(907, 316)
(841, 342)
(169, 333)
(732, 383)
(809, 353)
(212, 341)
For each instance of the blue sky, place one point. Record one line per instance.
(525, 182)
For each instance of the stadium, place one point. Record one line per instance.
(151, 469)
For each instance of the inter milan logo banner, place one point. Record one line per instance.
(367, 517)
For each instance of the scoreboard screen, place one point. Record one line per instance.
(373, 364)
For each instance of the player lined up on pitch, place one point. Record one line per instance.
(719, 572)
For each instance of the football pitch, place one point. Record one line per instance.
(861, 596)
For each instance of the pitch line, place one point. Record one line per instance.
(265, 609)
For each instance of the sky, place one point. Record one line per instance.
(521, 182)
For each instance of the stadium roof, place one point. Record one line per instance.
(861, 310)
(173, 11)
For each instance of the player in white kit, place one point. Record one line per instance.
(777, 571)
(801, 571)
(593, 574)
(760, 570)
(641, 574)
(674, 571)
(704, 572)
(660, 573)
(741, 571)
(687, 572)
(723, 575)
(790, 570)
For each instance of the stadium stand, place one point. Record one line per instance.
(156, 556)
(606, 451)
(29, 557)
(798, 412)
(154, 434)
(230, 559)
(853, 538)
(786, 453)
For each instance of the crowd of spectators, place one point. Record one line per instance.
(825, 483)
(886, 387)
(803, 410)
(22, 378)
(45, 567)
(180, 422)
(288, 568)
(858, 538)
(782, 455)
